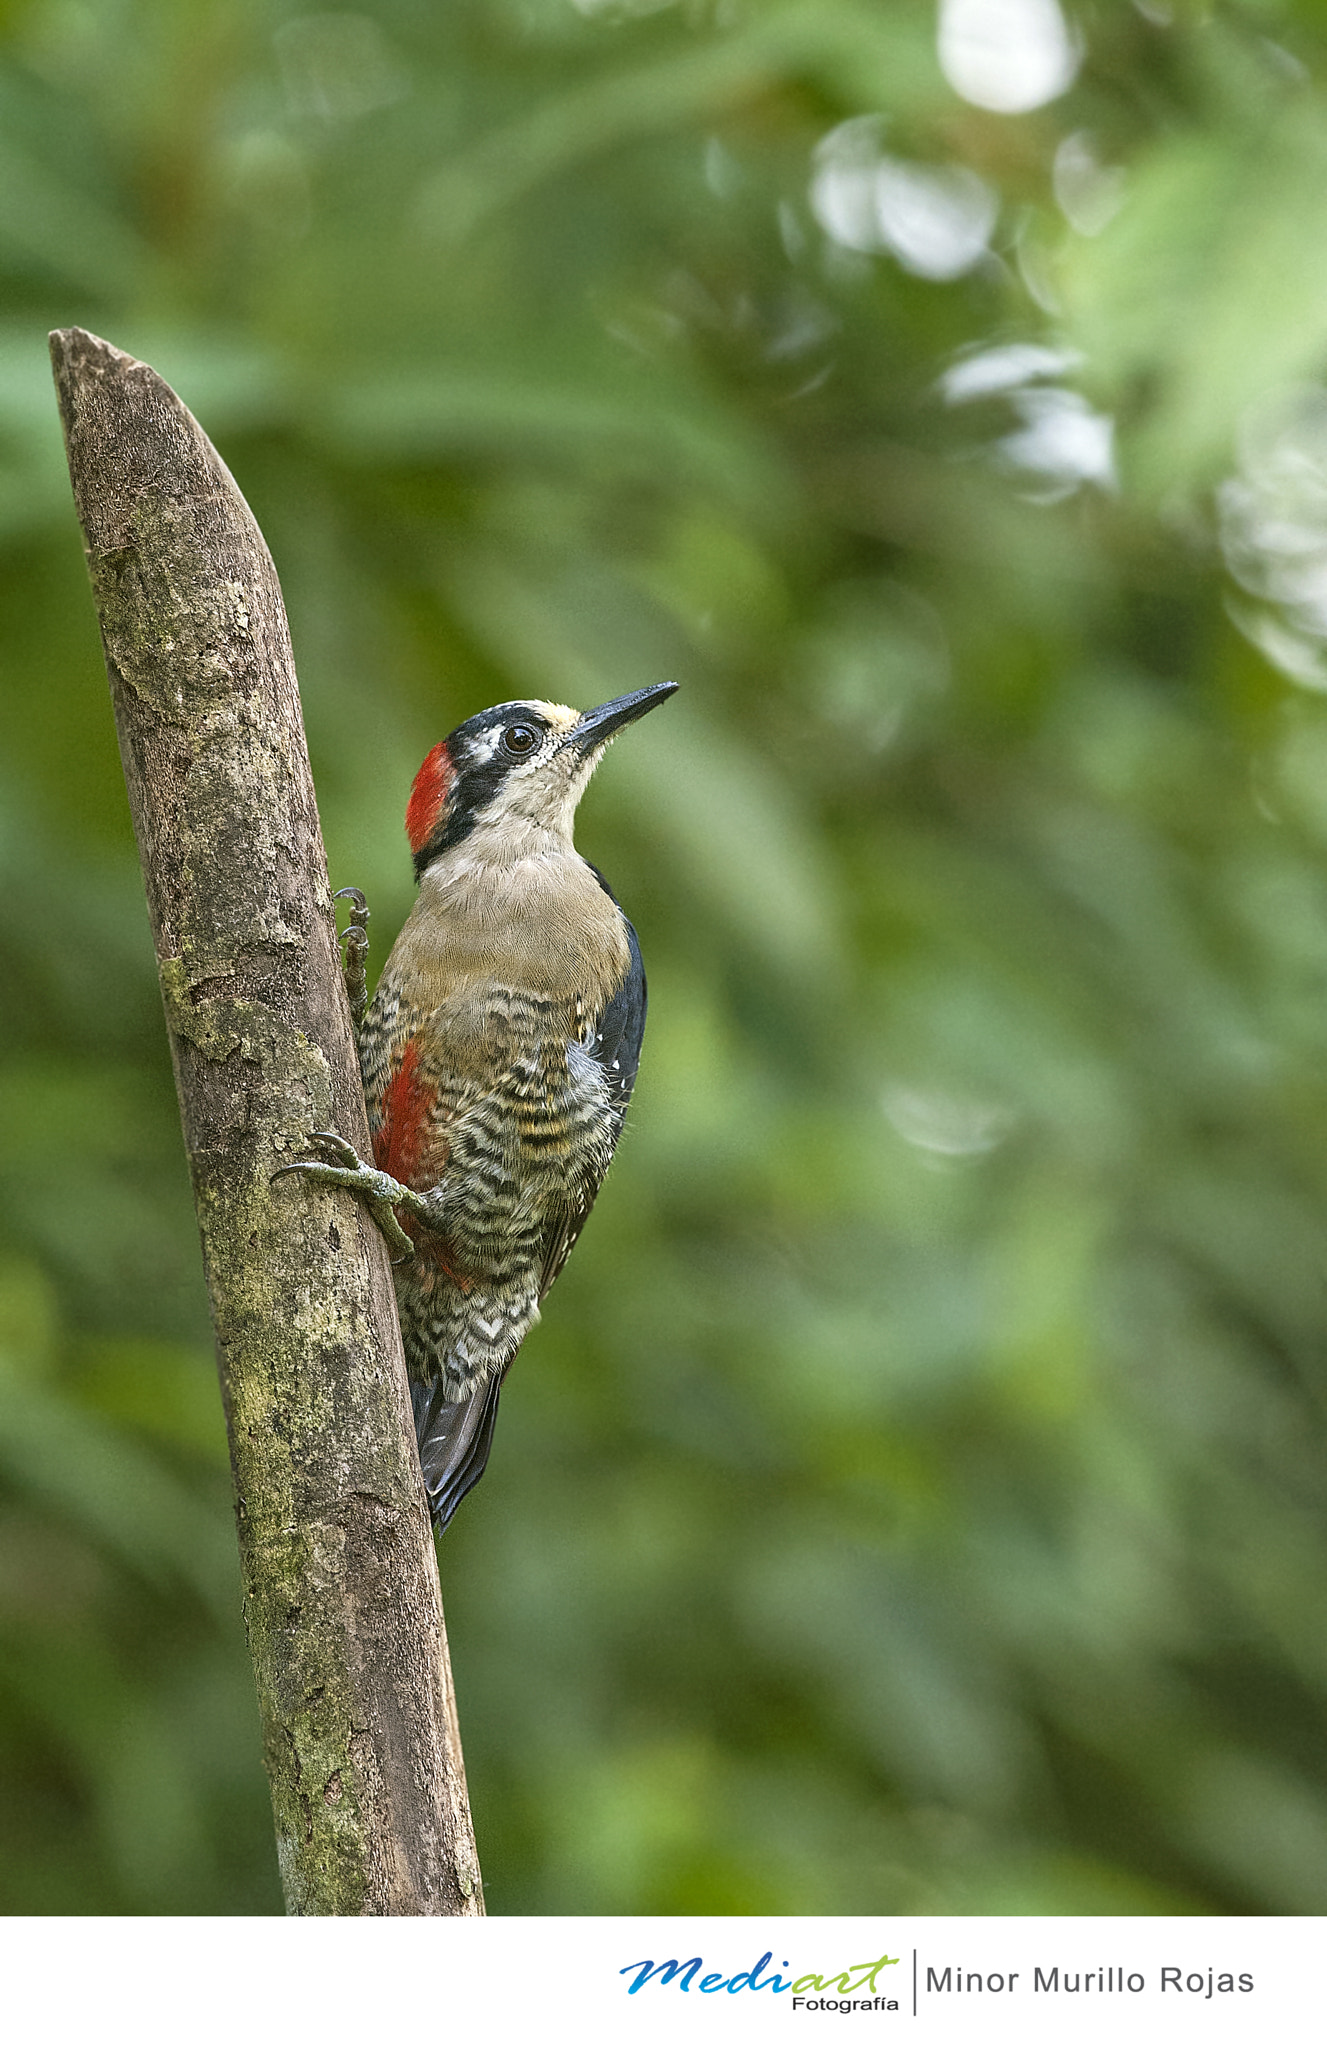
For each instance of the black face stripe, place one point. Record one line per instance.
(460, 742)
(479, 773)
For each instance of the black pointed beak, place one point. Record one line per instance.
(594, 728)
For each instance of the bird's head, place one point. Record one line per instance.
(515, 770)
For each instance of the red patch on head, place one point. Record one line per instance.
(428, 798)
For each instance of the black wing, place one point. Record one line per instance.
(454, 1440)
(615, 1049)
(616, 1044)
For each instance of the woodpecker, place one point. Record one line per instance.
(498, 1058)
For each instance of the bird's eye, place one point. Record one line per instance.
(520, 739)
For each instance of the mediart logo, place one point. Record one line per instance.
(858, 1977)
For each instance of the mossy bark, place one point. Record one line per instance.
(341, 1595)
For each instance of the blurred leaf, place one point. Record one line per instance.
(1203, 294)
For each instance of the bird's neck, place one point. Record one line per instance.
(529, 913)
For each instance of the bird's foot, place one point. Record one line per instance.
(355, 938)
(380, 1194)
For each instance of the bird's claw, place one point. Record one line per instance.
(378, 1191)
(343, 1151)
(356, 939)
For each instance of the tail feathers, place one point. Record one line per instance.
(454, 1440)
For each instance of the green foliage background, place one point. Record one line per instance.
(914, 1498)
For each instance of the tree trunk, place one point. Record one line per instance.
(341, 1598)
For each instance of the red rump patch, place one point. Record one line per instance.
(428, 798)
(403, 1140)
(407, 1105)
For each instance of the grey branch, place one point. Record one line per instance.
(341, 1596)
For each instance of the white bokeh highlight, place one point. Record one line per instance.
(1273, 516)
(1007, 55)
(1061, 442)
(935, 220)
